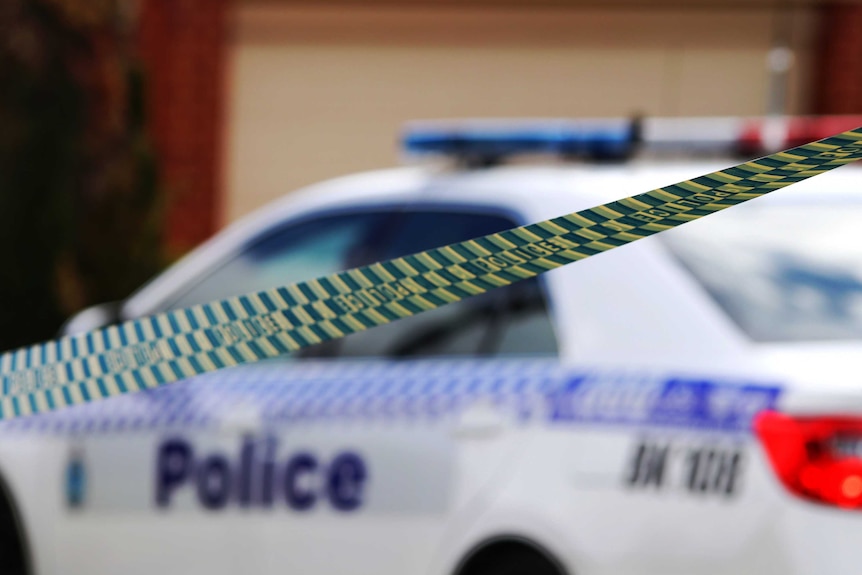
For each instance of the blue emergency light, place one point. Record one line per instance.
(487, 142)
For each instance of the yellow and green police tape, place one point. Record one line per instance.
(153, 351)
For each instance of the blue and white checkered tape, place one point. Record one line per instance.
(424, 392)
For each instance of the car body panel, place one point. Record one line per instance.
(631, 452)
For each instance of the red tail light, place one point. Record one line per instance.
(817, 458)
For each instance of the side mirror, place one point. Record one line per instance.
(93, 317)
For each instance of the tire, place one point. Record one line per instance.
(511, 558)
(14, 558)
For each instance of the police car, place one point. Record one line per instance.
(688, 404)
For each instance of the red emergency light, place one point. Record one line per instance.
(765, 135)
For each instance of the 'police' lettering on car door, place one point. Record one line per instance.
(256, 478)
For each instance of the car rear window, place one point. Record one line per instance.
(781, 272)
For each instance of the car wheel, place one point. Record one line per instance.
(510, 558)
(13, 549)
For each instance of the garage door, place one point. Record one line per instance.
(319, 92)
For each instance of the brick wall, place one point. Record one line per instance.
(838, 82)
(183, 44)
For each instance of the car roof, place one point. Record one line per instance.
(532, 191)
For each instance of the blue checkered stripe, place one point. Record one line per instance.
(631, 399)
(329, 393)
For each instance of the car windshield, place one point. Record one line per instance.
(781, 272)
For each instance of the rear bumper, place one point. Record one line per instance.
(820, 540)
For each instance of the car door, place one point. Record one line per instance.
(376, 457)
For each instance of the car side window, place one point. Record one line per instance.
(509, 321)
(293, 253)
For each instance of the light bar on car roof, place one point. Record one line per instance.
(487, 142)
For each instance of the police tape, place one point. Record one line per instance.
(153, 351)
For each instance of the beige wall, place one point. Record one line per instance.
(319, 92)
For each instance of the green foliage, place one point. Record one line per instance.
(80, 202)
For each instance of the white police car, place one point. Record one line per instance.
(599, 420)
